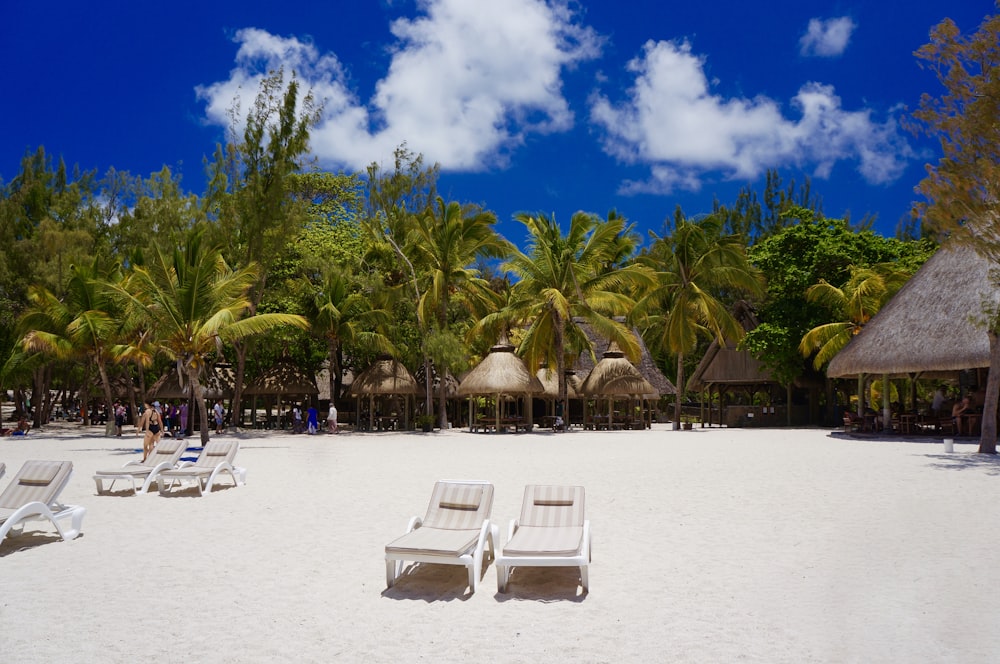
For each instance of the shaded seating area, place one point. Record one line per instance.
(281, 388)
(504, 387)
(385, 393)
(620, 394)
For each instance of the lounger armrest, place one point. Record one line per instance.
(511, 529)
(184, 464)
(415, 522)
(132, 463)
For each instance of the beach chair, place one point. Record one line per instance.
(455, 531)
(33, 495)
(164, 456)
(552, 532)
(216, 458)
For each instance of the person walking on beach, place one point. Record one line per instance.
(220, 415)
(331, 419)
(119, 418)
(149, 425)
(296, 419)
(312, 420)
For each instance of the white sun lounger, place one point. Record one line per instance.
(164, 456)
(455, 531)
(33, 495)
(216, 458)
(552, 532)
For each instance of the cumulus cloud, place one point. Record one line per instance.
(827, 38)
(673, 122)
(466, 83)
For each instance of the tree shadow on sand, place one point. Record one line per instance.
(988, 463)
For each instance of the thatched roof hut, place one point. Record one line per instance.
(283, 379)
(616, 378)
(386, 376)
(550, 384)
(930, 325)
(724, 364)
(646, 366)
(384, 382)
(218, 385)
(500, 374)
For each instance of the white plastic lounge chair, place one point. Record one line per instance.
(455, 531)
(552, 532)
(164, 456)
(215, 459)
(33, 495)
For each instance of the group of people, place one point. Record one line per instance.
(311, 424)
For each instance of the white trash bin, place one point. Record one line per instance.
(949, 445)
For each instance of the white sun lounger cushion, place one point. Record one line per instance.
(458, 506)
(37, 481)
(535, 541)
(40, 475)
(435, 542)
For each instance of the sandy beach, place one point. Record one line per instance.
(714, 545)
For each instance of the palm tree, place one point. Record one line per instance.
(692, 267)
(343, 316)
(195, 302)
(574, 276)
(445, 243)
(853, 304)
(84, 323)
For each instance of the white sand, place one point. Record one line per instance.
(715, 545)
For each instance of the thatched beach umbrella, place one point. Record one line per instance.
(614, 376)
(387, 377)
(282, 380)
(501, 374)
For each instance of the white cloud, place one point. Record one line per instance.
(672, 122)
(467, 81)
(827, 38)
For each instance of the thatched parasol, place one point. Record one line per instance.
(387, 377)
(550, 384)
(218, 385)
(283, 379)
(500, 374)
(614, 376)
(930, 324)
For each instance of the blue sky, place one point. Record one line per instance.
(527, 105)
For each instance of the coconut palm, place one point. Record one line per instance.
(195, 302)
(854, 303)
(693, 266)
(343, 316)
(82, 324)
(445, 243)
(865, 292)
(562, 278)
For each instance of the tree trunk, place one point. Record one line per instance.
(109, 422)
(680, 392)
(235, 404)
(988, 434)
(37, 390)
(199, 397)
(563, 396)
(428, 387)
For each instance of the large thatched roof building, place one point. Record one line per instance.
(501, 374)
(931, 324)
(646, 366)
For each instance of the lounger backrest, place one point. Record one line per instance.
(459, 505)
(36, 481)
(166, 450)
(216, 452)
(558, 506)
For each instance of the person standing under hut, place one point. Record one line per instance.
(220, 415)
(331, 419)
(182, 414)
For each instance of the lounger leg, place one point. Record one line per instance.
(503, 575)
(584, 578)
(390, 572)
